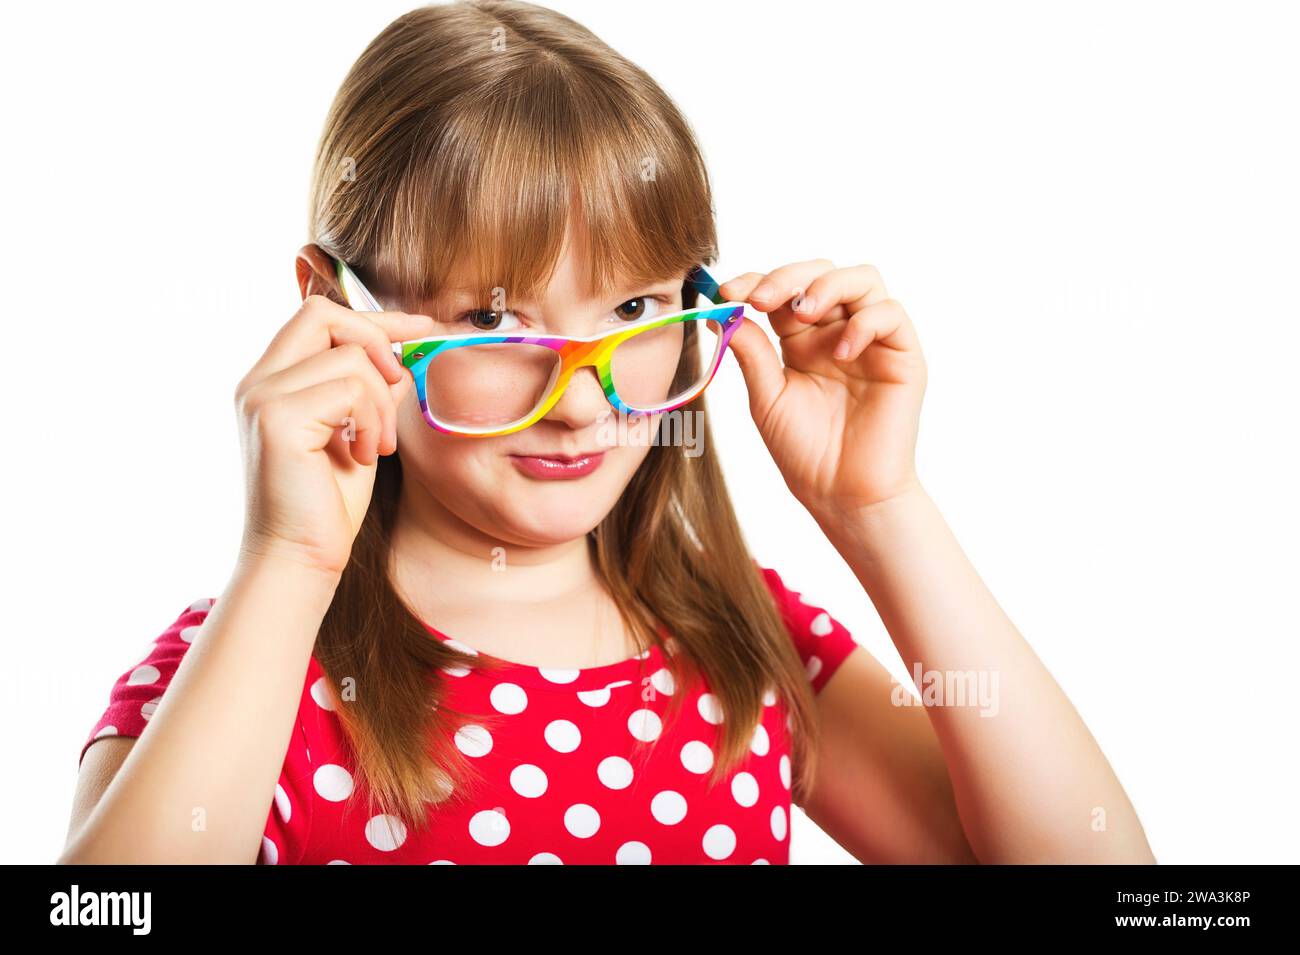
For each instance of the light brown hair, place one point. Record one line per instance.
(474, 133)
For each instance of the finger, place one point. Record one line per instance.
(760, 365)
(840, 293)
(321, 324)
(323, 410)
(348, 359)
(782, 284)
(738, 289)
(771, 291)
(884, 322)
(365, 432)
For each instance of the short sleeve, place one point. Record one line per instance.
(136, 695)
(822, 641)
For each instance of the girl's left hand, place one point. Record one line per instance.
(839, 408)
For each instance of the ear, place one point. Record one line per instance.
(316, 275)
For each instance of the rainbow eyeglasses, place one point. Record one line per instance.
(485, 384)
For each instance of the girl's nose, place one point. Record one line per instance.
(583, 402)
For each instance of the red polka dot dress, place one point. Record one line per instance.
(564, 777)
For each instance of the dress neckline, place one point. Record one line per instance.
(557, 678)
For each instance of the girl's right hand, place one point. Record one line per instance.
(315, 414)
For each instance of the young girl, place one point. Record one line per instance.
(471, 622)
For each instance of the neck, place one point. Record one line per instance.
(432, 546)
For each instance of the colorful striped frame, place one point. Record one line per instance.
(574, 353)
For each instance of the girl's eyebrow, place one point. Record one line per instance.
(465, 295)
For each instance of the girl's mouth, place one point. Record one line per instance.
(556, 466)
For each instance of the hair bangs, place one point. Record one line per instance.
(540, 165)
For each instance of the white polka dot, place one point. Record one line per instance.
(562, 736)
(270, 852)
(710, 709)
(189, 633)
(456, 669)
(594, 698)
(545, 858)
(143, 676)
(615, 772)
(662, 680)
(490, 827)
(814, 667)
(528, 780)
(769, 698)
(668, 807)
(558, 676)
(338, 862)
(778, 823)
(147, 710)
(760, 744)
(508, 698)
(445, 788)
(473, 740)
(760, 862)
(821, 625)
(632, 853)
(581, 820)
(645, 725)
(697, 757)
(385, 832)
(204, 603)
(282, 803)
(744, 788)
(332, 782)
(442, 862)
(109, 730)
(321, 694)
(719, 841)
(784, 767)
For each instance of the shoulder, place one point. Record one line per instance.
(138, 690)
(822, 641)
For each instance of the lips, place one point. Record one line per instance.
(548, 466)
(563, 457)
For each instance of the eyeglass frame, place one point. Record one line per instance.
(574, 352)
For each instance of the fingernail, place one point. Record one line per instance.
(842, 349)
(805, 305)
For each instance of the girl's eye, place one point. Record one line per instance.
(635, 309)
(486, 319)
(632, 309)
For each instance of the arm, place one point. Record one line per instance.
(217, 741)
(882, 789)
(1027, 782)
(839, 410)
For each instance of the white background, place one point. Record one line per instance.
(1089, 210)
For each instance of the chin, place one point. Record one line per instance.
(541, 530)
(553, 512)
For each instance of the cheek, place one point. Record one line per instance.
(474, 479)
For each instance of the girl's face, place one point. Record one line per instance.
(495, 485)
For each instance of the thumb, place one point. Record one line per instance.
(759, 363)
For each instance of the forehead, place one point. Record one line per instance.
(564, 291)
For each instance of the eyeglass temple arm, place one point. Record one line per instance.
(700, 282)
